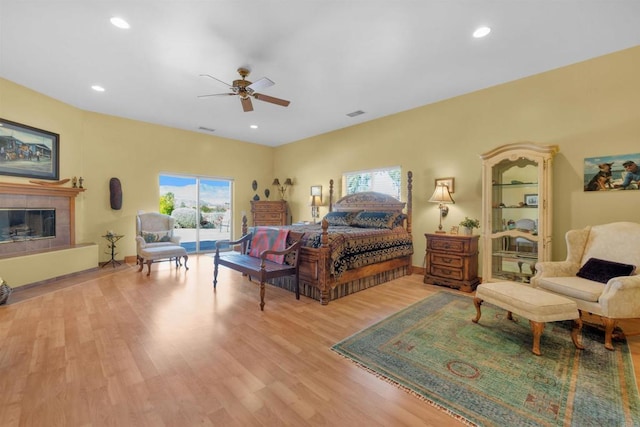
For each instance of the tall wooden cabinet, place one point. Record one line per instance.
(516, 214)
(270, 212)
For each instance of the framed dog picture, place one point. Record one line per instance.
(606, 173)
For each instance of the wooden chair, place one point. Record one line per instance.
(259, 267)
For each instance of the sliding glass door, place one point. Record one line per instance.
(201, 207)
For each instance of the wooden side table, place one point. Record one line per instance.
(452, 260)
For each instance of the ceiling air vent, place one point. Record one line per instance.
(355, 113)
(206, 129)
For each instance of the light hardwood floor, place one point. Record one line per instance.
(117, 348)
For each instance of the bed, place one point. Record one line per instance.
(337, 259)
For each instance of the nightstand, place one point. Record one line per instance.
(452, 260)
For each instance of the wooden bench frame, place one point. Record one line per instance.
(260, 267)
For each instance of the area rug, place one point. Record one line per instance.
(485, 373)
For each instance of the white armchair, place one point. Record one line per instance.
(155, 229)
(619, 297)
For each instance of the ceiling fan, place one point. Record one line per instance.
(245, 90)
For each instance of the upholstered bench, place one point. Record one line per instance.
(150, 254)
(533, 304)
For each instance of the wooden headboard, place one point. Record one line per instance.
(373, 201)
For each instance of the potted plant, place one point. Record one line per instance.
(468, 225)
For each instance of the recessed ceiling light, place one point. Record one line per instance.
(254, 126)
(120, 23)
(97, 88)
(481, 32)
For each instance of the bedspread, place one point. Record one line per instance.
(353, 247)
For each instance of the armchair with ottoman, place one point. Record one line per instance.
(600, 273)
(155, 240)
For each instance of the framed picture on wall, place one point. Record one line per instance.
(27, 151)
(605, 173)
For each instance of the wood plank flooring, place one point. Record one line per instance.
(117, 348)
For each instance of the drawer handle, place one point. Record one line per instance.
(449, 260)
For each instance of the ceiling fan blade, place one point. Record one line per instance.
(271, 99)
(246, 104)
(260, 84)
(216, 94)
(210, 76)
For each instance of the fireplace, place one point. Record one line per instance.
(36, 218)
(27, 224)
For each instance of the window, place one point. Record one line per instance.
(201, 207)
(386, 180)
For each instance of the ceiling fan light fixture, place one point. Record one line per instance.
(120, 23)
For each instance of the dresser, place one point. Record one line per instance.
(270, 213)
(452, 260)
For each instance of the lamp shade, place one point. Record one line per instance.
(441, 195)
(288, 182)
(276, 182)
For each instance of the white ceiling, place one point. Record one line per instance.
(329, 58)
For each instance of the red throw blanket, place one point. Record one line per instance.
(265, 238)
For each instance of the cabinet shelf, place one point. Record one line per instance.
(519, 185)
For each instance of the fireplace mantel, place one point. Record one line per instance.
(39, 190)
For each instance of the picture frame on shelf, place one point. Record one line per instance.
(28, 152)
(531, 200)
(449, 182)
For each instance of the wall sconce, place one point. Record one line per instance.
(441, 195)
(316, 201)
(282, 188)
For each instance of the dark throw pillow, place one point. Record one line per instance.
(367, 219)
(340, 218)
(602, 271)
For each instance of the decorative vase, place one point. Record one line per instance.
(467, 231)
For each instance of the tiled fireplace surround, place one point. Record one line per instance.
(62, 199)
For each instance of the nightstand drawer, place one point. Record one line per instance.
(451, 261)
(447, 245)
(446, 272)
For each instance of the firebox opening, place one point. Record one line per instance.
(18, 224)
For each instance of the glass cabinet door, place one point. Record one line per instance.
(516, 200)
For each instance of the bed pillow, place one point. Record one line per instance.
(399, 221)
(602, 271)
(367, 219)
(340, 218)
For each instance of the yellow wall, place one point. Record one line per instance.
(99, 147)
(588, 109)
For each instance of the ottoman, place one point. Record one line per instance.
(533, 304)
(149, 255)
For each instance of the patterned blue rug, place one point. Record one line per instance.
(485, 373)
